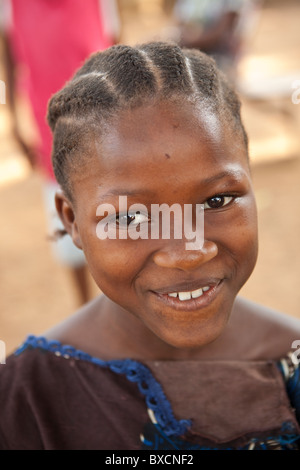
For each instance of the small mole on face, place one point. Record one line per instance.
(167, 155)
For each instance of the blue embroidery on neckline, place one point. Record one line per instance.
(135, 371)
(156, 400)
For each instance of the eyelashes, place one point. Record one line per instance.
(218, 201)
(135, 218)
(132, 218)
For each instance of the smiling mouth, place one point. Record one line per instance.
(189, 300)
(194, 294)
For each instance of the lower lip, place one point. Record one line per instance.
(192, 304)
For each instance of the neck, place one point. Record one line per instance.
(125, 336)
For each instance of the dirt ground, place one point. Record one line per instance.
(36, 292)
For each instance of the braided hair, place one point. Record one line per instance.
(123, 76)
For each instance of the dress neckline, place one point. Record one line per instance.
(159, 407)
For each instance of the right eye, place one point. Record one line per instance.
(218, 201)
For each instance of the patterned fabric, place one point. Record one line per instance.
(163, 431)
(290, 369)
(154, 438)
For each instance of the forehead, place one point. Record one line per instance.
(179, 119)
(165, 142)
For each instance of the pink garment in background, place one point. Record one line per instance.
(51, 39)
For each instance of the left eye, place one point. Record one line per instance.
(217, 202)
(132, 218)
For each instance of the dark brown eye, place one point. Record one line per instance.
(217, 201)
(133, 218)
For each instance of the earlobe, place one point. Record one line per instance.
(67, 215)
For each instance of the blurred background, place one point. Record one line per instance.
(36, 290)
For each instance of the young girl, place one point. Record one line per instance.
(167, 357)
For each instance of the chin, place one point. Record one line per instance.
(192, 340)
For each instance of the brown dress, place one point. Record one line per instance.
(56, 397)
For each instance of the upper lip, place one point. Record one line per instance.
(189, 286)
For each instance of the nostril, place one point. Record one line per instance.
(174, 256)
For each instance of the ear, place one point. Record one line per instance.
(67, 215)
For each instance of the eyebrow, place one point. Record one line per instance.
(234, 175)
(126, 192)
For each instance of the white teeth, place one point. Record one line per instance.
(189, 295)
(197, 293)
(184, 295)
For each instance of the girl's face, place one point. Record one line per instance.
(169, 153)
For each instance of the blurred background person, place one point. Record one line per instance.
(44, 43)
(217, 27)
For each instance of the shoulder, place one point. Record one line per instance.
(40, 388)
(55, 397)
(78, 328)
(266, 333)
(28, 373)
(86, 329)
(17, 377)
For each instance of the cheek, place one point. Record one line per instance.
(246, 250)
(114, 264)
(245, 247)
(235, 232)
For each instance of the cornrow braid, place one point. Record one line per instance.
(170, 63)
(124, 76)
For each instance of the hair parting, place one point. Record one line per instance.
(123, 76)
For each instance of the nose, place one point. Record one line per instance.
(176, 256)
